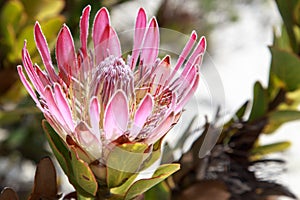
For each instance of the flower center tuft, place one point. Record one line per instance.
(112, 74)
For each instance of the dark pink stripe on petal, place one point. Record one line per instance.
(28, 86)
(43, 49)
(52, 106)
(200, 49)
(189, 94)
(42, 76)
(185, 52)
(65, 55)
(84, 29)
(63, 106)
(27, 63)
(197, 61)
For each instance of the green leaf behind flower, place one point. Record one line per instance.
(286, 66)
(124, 161)
(260, 102)
(143, 185)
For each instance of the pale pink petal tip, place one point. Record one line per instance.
(116, 116)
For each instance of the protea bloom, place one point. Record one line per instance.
(97, 97)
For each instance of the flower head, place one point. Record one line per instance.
(96, 97)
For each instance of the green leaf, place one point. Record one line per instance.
(160, 191)
(123, 161)
(143, 185)
(121, 190)
(286, 66)
(51, 28)
(277, 118)
(52, 9)
(282, 41)
(14, 10)
(286, 9)
(297, 13)
(150, 159)
(78, 171)
(43, 9)
(83, 175)
(260, 102)
(60, 150)
(270, 148)
(241, 111)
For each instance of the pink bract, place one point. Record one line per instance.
(98, 97)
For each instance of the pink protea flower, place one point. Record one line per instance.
(98, 98)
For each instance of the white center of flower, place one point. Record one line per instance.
(112, 74)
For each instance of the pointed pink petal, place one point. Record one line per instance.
(101, 22)
(161, 129)
(151, 44)
(52, 106)
(94, 112)
(88, 140)
(63, 106)
(116, 116)
(183, 79)
(189, 94)
(139, 32)
(197, 62)
(65, 54)
(28, 86)
(200, 49)
(163, 70)
(142, 113)
(27, 63)
(185, 52)
(84, 29)
(186, 82)
(43, 49)
(114, 46)
(41, 74)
